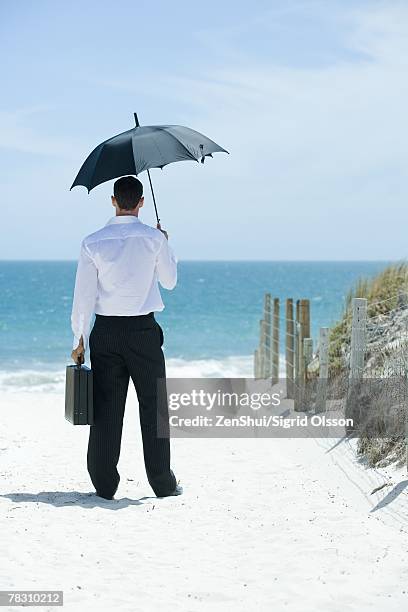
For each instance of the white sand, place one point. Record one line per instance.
(263, 524)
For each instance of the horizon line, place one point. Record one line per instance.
(64, 260)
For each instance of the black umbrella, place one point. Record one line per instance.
(142, 148)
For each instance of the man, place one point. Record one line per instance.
(117, 279)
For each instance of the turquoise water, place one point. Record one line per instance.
(213, 314)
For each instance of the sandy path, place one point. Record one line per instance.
(263, 524)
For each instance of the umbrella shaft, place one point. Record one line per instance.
(154, 199)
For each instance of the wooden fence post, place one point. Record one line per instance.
(405, 395)
(296, 385)
(268, 335)
(275, 349)
(406, 423)
(307, 353)
(304, 320)
(358, 338)
(323, 370)
(303, 315)
(290, 348)
(357, 357)
(262, 338)
(297, 339)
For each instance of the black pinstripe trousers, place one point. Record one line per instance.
(122, 348)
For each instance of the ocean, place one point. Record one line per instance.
(211, 319)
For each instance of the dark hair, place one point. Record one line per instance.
(127, 191)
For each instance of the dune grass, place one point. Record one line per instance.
(384, 293)
(381, 293)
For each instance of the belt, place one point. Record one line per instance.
(150, 315)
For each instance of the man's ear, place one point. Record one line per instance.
(113, 201)
(141, 202)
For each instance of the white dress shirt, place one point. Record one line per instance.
(118, 272)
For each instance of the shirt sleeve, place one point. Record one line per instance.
(166, 265)
(83, 306)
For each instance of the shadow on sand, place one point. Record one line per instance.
(75, 498)
(391, 496)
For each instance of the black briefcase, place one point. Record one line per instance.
(79, 395)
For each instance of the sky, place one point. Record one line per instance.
(310, 98)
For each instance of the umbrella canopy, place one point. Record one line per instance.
(142, 148)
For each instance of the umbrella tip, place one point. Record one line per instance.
(136, 120)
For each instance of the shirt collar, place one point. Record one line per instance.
(123, 219)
